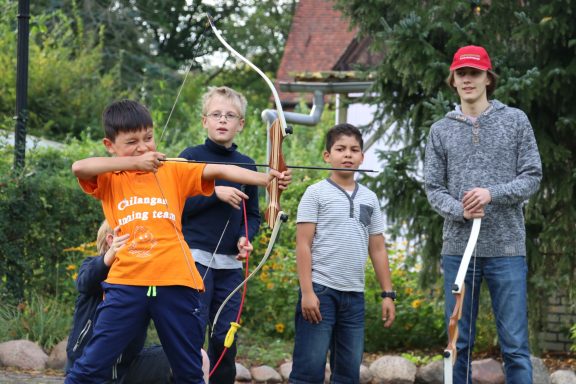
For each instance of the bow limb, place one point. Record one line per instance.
(458, 290)
(279, 109)
(281, 217)
(277, 132)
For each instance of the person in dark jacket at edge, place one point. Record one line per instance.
(136, 364)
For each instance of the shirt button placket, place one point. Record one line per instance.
(476, 133)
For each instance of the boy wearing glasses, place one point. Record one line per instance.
(213, 226)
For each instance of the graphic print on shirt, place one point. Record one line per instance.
(143, 239)
(142, 243)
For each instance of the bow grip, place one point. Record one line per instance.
(229, 340)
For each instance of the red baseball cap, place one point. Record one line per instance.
(471, 56)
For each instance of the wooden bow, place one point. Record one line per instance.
(278, 131)
(274, 215)
(458, 290)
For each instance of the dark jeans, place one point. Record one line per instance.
(341, 332)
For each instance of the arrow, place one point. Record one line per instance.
(180, 160)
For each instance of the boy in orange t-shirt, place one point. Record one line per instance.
(154, 275)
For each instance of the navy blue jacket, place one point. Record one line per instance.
(93, 272)
(204, 217)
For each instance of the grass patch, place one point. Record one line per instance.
(44, 320)
(254, 349)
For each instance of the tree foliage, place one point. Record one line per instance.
(532, 45)
(83, 56)
(150, 40)
(66, 84)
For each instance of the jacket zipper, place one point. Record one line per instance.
(115, 368)
(82, 335)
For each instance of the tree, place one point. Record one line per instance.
(67, 82)
(82, 57)
(533, 49)
(153, 39)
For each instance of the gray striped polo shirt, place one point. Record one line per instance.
(344, 221)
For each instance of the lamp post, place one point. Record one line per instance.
(21, 84)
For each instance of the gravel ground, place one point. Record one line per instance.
(8, 376)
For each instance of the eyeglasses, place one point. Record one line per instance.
(218, 116)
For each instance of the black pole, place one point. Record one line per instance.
(21, 84)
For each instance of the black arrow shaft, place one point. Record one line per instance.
(266, 165)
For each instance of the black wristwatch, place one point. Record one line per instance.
(390, 294)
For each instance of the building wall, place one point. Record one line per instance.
(560, 316)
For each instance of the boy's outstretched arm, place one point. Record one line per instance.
(244, 176)
(379, 257)
(310, 302)
(91, 167)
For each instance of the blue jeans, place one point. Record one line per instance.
(341, 332)
(506, 281)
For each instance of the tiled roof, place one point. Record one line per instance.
(319, 37)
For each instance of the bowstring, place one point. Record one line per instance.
(189, 69)
(216, 249)
(471, 312)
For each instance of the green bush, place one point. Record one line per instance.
(67, 86)
(42, 319)
(419, 320)
(42, 212)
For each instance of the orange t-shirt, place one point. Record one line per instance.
(149, 207)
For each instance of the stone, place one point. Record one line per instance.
(285, 370)
(487, 371)
(57, 358)
(393, 370)
(563, 376)
(540, 373)
(242, 373)
(22, 354)
(431, 373)
(205, 365)
(365, 375)
(265, 374)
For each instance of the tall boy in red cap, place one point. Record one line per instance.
(482, 161)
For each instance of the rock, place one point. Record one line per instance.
(242, 373)
(393, 370)
(432, 373)
(265, 374)
(564, 376)
(57, 358)
(365, 375)
(540, 373)
(487, 371)
(285, 370)
(23, 354)
(205, 365)
(327, 374)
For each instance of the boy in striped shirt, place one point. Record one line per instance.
(339, 224)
